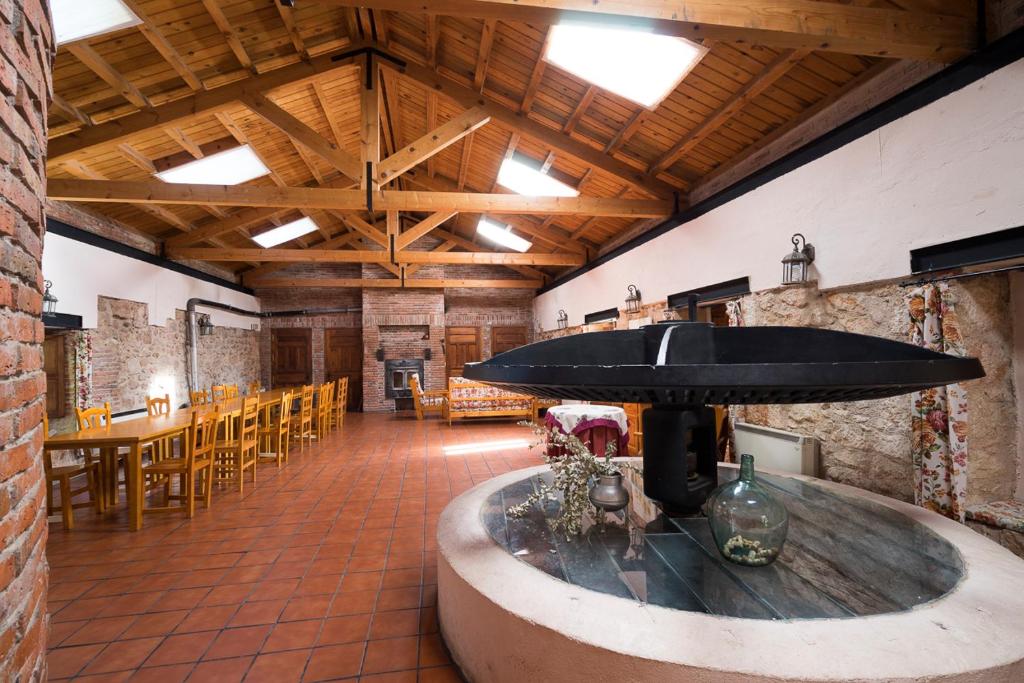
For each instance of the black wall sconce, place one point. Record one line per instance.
(563, 320)
(427, 354)
(380, 353)
(633, 299)
(797, 263)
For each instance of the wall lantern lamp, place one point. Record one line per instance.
(563, 320)
(796, 264)
(380, 353)
(49, 300)
(205, 325)
(633, 299)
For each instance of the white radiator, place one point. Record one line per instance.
(774, 449)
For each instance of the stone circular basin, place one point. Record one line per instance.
(867, 588)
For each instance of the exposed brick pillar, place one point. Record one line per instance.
(26, 52)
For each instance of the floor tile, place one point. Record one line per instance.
(395, 623)
(182, 648)
(237, 642)
(334, 661)
(122, 655)
(293, 635)
(393, 654)
(347, 629)
(68, 661)
(221, 670)
(253, 613)
(101, 630)
(279, 667)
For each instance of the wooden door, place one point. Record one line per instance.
(291, 357)
(507, 338)
(343, 357)
(462, 345)
(54, 365)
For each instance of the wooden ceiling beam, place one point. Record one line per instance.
(288, 19)
(136, 192)
(263, 269)
(152, 33)
(536, 74)
(848, 27)
(565, 144)
(462, 242)
(408, 283)
(369, 126)
(242, 220)
(228, 32)
(108, 74)
(70, 111)
(298, 131)
(363, 256)
(483, 57)
(775, 70)
(430, 144)
(364, 228)
(422, 228)
(178, 112)
(580, 110)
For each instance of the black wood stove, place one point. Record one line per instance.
(682, 368)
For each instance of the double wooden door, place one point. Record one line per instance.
(291, 357)
(343, 357)
(462, 345)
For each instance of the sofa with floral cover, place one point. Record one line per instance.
(467, 399)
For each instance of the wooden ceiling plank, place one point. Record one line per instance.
(422, 228)
(108, 74)
(180, 111)
(467, 98)
(775, 70)
(152, 33)
(788, 24)
(229, 34)
(298, 131)
(329, 113)
(430, 144)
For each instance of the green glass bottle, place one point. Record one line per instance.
(748, 523)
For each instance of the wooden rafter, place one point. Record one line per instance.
(111, 76)
(430, 144)
(422, 228)
(376, 283)
(339, 242)
(365, 229)
(467, 151)
(229, 33)
(152, 33)
(536, 74)
(369, 125)
(483, 57)
(775, 70)
(580, 110)
(242, 220)
(70, 111)
(288, 19)
(848, 27)
(382, 256)
(467, 98)
(178, 112)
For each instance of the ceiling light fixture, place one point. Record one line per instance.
(285, 233)
(77, 19)
(230, 167)
(522, 179)
(501, 234)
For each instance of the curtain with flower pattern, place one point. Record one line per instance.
(939, 415)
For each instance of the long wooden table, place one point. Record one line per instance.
(136, 432)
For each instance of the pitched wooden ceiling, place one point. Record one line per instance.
(181, 86)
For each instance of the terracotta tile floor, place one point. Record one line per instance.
(324, 570)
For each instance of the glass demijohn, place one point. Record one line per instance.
(749, 525)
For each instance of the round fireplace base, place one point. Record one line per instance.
(504, 620)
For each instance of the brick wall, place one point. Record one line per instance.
(26, 53)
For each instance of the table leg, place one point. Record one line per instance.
(133, 480)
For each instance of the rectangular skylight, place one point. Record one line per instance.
(230, 167)
(500, 234)
(639, 65)
(521, 179)
(78, 19)
(285, 233)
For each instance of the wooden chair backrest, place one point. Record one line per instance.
(199, 398)
(93, 417)
(284, 419)
(231, 391)
(341, 395)
(254, 388)
(324, 399)
(218, 392)
(248, 425)
(414, 385)
(158, 406)
(203, 435)
(306, 403)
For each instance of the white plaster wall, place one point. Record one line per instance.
(81, 272)
(950, 170)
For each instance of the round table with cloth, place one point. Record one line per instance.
(595, 426)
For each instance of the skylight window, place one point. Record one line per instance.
(639, 65)
(521, 179)
(285, 233)
(231, 167)
(500, 234)
(78, 19)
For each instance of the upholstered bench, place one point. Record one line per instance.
(1002, 521)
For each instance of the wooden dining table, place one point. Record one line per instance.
(133, 434)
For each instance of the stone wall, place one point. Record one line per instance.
(26, 54)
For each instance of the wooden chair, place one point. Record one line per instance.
(426, 401)
(232, 457)
(200, 440)
(231, 391)
(62, 476)
(324, 409)
(199, 398)
(109, 459)
(218, 392)
(302, 426)
(254, 388)
(340, 403)
(274, 434)
(161, 448)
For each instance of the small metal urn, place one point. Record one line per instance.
(608, 493)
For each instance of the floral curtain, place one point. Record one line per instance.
(939, 415)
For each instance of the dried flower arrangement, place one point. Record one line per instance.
(572, 474)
